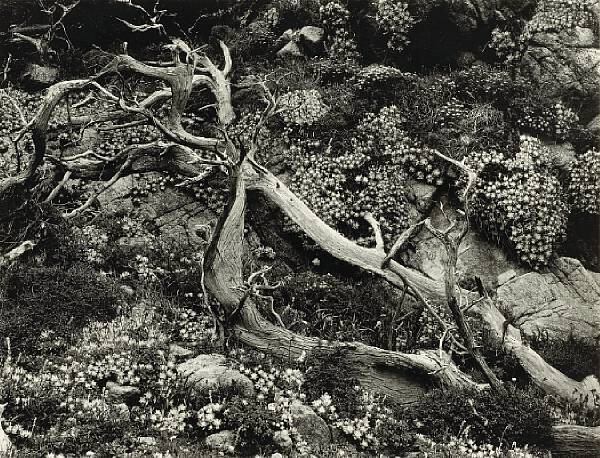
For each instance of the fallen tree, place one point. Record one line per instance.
(403, 376)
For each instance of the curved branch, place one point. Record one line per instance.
(543, 374)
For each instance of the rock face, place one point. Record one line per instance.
(177, 215)
(468, 16)
(563, 301)
(568, 61)
(478, 257)
(211, 371)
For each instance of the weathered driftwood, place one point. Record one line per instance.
(575, 441)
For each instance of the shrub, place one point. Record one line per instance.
(329, 373)
(337, 309)
(254, 424)
(517, 416)
(37, 299)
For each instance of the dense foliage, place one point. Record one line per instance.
(516, 416)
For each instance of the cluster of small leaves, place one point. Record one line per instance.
(340, 40)
(302, 107)
(519, 200)
(381, 135)
(395, 21)
(555, 121)
(378, 77)
(504, 45)
(584, 185)
(557, 15)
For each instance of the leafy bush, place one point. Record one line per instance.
(329, 373)
(517, 416)
(254, 424)
(337, 309)
(37, 299)
(395, 22)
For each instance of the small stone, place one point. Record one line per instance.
(277, 455)
(223, 441)
(290, 50)
(148, 441)
(122, 393)
(506, 276)
(310, 426)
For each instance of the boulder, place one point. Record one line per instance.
(311, 39)
(174, 213)
(312, 427)
(179, 351)
(211, 371)
(563, 301)
(223, 441)
(594, 125)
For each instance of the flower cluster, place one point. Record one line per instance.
(504, 45)
(341, 43)
(451, 112)
(557, 15)
(382, 135)
(343, 189)
(395, 21)
(302, 107)
(584, 185)
(190, 326)
(325, 408)
(95, 242)
(464, 446)
(520, 201)
(208, 417)
(555, 121)
(377, 76)
(173, 422)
